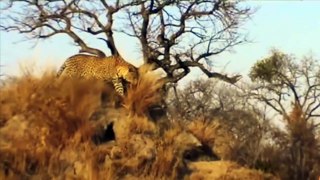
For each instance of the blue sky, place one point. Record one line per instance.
(291, 26)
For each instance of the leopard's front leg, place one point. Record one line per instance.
(118, 86)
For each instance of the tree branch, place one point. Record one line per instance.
(166, 30)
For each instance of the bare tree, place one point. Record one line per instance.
(174, 34)
(212, 100)
(282, 82)
(205, 98)
(292, 89)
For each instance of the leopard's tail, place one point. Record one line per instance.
(61, 70)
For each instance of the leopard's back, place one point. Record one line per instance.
(87, 66)
(112, 68)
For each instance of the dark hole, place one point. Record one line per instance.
(104, 135)
(156, 112)
(203, 152)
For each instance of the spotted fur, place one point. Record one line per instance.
(112, 68)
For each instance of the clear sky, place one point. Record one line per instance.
(291, 26)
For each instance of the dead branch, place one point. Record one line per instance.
(174, 35)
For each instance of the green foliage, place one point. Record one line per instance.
(269, 68)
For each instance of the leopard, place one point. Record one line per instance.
(109, 69)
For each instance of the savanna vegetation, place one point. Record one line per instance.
(222, 127)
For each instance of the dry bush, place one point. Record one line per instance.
(170, 149)
(150, 154)
(242, 126)
(294, 153)
(42, 115)
(225, 170)
(48, 129)
(220, 140)
(53, 128)
(146, 93)
(205, 131)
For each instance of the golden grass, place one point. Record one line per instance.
(47, 125)
(225, 170)
(205, 131)
(42, 116)
(146, 93)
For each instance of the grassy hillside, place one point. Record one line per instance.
(62, 129)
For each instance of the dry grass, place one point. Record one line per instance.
(225, 170)
(47, 127)
(41, 116)
(205, 131)
(146, 93)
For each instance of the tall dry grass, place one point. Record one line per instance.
(146, 93)
(48, 127)
(41, 116)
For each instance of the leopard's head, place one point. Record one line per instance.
(128, 73)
